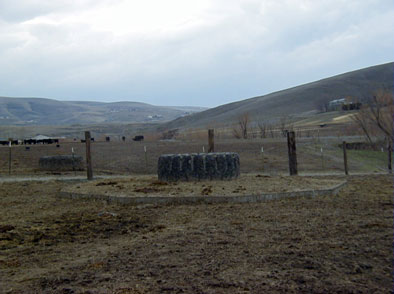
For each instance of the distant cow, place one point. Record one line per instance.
(84, 141)
(138, 138)
(7, 142)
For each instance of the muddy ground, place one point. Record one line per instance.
(339, 244)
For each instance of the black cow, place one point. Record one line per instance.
(138, 138)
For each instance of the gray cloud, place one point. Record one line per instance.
(220, 52)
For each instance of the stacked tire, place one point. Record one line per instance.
(61, 163)
(201, 166)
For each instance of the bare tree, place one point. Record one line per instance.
(262, 126)
(236, 133)
(285, 125)
(377, 114)
(243, 122)
(322, 104)
(270, 130)
(381, 111)
(242, 127)
(361, 119)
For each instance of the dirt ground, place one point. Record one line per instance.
(339, 244)
(246, 184)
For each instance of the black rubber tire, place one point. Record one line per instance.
(61, 163)
(201, 166)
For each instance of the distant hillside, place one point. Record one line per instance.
(295, 101)
(41, 111)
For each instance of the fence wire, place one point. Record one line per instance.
(270, 155)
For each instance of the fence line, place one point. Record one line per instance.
(313, 155)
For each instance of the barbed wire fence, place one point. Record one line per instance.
(317, 153)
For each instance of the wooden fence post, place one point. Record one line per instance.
(9, 157)
(322, 158)
(211, 141)
(73, 157)
(389, 157)
(88, 156)
(146, 158)
(345, 157)
(291, 146)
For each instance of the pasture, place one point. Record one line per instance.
(327, 244)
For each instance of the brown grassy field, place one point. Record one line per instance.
(339, 244)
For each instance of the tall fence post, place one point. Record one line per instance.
(73, 157)
(345, 157)
(211, 141)
(9, 156)
(291, 146)
(146, 158)
(88, 156)
(322, 158)
(389, 156)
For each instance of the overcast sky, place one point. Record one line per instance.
(185, 52)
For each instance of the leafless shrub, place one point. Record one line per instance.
(262, 126)
(236, 133)
(377, 116)
(322, 104)
(361, 119)
(285, 125)
(270, 130)
(170, 134)
(242, 128)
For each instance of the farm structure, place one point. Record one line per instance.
(344, 104)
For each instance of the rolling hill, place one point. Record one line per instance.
(41, 111)
(298, 101)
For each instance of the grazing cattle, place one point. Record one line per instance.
(29, 141)
(40, 141)
(138, 138)
(7, 142)
(84, 141)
